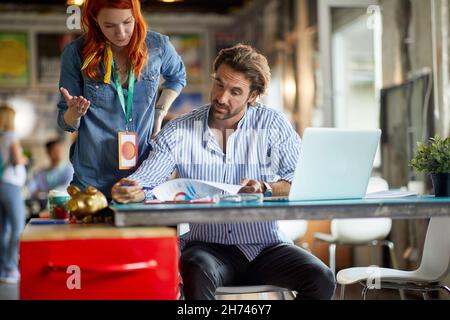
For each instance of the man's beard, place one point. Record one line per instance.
(223, 111)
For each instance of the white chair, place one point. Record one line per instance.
(293, 229)
(360, 232)
(365, 231)
(434, 266)
(261, 290)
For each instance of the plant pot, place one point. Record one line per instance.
(441, 184)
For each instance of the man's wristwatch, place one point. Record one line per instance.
(267, 191)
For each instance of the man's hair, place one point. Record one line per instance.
(245, 59)
(51, 143)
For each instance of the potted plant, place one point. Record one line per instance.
(434, 158)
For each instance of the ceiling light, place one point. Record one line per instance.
(75, 2)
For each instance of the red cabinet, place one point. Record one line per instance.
(98, 262)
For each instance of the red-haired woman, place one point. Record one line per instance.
(109, 83)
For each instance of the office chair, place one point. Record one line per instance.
(434, 266)
(293, 229)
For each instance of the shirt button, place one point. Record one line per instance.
(229, 231)
(96, 87)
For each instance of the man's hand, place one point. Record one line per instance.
(251, 186)
(126, 191)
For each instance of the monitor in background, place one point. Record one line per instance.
(406, 116)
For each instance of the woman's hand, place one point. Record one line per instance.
(126, 191)
(163, 104)
(76, 107)
(157, 122)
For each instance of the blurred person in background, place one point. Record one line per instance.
(57, 176)
(12, 207)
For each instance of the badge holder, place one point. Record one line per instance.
(128, 150)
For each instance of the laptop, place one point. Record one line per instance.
(333, 164)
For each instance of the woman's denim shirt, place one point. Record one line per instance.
(94, 154)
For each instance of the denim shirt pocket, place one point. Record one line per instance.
(91, 88)
(105, 96)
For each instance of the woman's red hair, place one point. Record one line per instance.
(95, 41)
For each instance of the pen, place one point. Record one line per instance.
(179, 202)
(48, 221)
(129, 185)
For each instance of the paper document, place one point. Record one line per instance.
(190, 189)
(390, 194)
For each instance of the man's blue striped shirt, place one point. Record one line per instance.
(263, 147)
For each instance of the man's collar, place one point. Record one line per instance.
(208, 138)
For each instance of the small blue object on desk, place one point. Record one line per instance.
(194, 201)
(48, 221)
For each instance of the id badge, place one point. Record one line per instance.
(128, 150)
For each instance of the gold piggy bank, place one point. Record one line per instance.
(84, 205)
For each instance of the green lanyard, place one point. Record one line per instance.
(126, 109)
